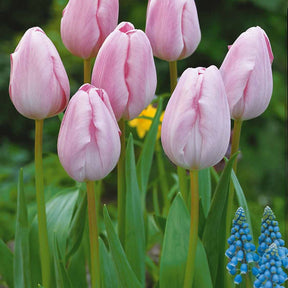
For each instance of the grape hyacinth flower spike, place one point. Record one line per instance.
(270, 273)
(270, 234)
(241, 251)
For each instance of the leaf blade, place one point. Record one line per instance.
(134, 223)
(22, 276)
(125, 273)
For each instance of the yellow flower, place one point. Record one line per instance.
(144, 121)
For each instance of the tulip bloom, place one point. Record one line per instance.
(89, 141)
(172, 27)
(196, 125)
(125, 68)
(86, 23)
(39, 86)
(247, 74)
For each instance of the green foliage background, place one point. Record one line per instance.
(263, 164)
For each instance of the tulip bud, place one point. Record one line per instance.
(86, 23)
(172, 27)
(247, 74)
(39, 86)
(196, 125)
(125, 68)
(89, 141)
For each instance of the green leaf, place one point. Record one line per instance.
(161, 222)
(205, 189)
(202, 276)
(77, 226)
(145, 159)
(134, 223)
(215, 228)
(108, 269)
(22, 276)
(175, 245)
(125, 273)
(62, 278)
(241, 199)
(6, 264)
(175, 250)
(59, 211)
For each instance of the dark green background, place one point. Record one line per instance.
(262, 167)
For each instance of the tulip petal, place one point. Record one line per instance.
(112, 78)
(247, 74)
(196, 125)
(190, 29)
(140, 73)
(39, 86)
(163, 28)
(88, 142)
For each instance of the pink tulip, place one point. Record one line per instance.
(125, 68)
(39, 86)
(196, 124)
(172, 27)
(89, 141)
(86, 23)
(247, 74)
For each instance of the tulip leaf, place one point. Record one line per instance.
(22, 276)
(125, 273)
(134, 223)
(215, 227)
(77, 266)
(59, 211)
(145, 159)
(175, 250)
(108, 269)
(242, 200)
(6, 264)
(77, 226)
(205, 189)
(61, 275)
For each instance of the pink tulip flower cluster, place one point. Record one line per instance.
(196, 125)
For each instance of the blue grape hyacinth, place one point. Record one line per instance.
(241, 251)
(270, 234)
(270, 274)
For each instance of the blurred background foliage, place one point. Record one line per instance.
(263, 163)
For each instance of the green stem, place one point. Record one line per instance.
(121, 185)
(234, 149)
(180, 171)
(87, 70)
(193, 238)
(173, 75)
(93, 235)
(163, 182)
(42, 223)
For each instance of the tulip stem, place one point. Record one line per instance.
(234, 149)
(93, 235)
(193, 238)
(42, 222)
(173, 75)
(121, 197)
(87, 70)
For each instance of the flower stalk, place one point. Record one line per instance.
(42, 222)
(193, 238)
(93, 235)
(87, 70)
